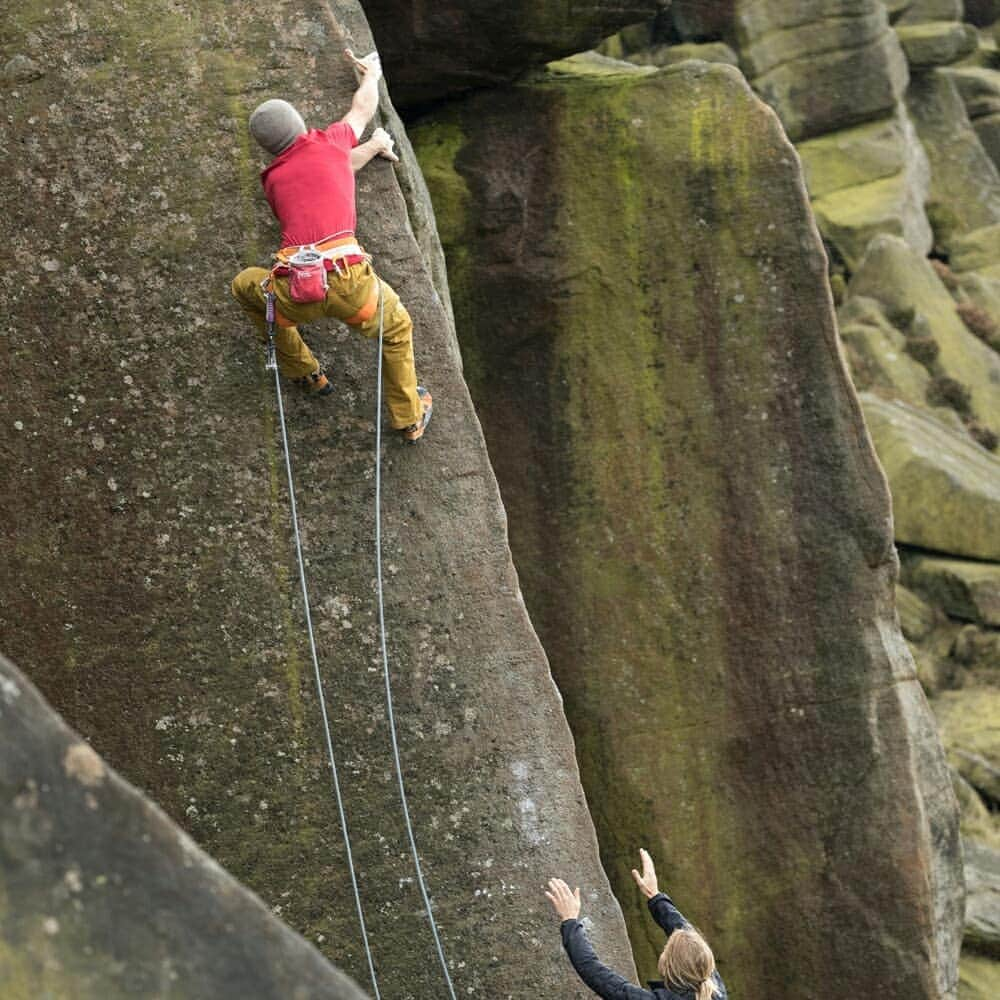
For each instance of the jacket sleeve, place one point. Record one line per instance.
(603, 981)
(661, 906)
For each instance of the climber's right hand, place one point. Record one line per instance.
(383, 144)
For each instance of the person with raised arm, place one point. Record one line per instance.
(686, 963)
(321, 269)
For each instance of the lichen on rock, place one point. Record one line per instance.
(646, 327)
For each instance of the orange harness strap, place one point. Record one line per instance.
(332, 243)
(366, 312)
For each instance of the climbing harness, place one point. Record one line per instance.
(271, 364)
(307, 265)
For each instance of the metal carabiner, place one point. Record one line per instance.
(271, 363)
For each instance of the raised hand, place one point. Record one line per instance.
(369, 66)
(565, 903)
(647, 880)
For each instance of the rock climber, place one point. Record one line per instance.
(686, 962)
(309, 185)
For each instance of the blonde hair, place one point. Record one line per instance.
(687, 962)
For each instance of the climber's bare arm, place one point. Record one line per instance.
(365, 101)
(380, 144)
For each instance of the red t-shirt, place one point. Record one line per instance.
(310, 185)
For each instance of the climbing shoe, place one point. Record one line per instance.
(316, 384)
(415, 432)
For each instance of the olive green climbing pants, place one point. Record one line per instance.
(352, 297)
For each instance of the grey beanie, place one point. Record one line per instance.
(275, 124)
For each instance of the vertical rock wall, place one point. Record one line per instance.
(701, 526)
(149, 586)
(102, 897)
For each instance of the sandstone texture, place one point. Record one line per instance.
(966, 590)
(916, 618)
(936, 43)
(433, 50)
(701, 529)
(979, 87)
(924, 11)
(866, 180)
(877, 352)
(979, 826)
(149, 585)
(668, 55)
(982, 908)
(945, 488)
(906, 284)
(980, 978)
(835, 73)
(971, 733)
(965, 184)
(821, 65)
(105, 898)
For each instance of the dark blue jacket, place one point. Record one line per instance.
(607, 983)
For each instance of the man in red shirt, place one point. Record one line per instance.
(310, 187)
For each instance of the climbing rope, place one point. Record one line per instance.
(390, 714)
(385, 654)
(271, 363)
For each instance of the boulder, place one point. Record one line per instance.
(822, 65)
(818, 93)
(105, 897)
(979, 977)
(674, 385)
(856, 156)
(877, 353)
(982, 900)
(765, 45)
(978, 823)
(979, 305)
(850, 219)
(971, 736)
(979, 88)
(669, 55)
(916, 618)
(904, 282)
(978, 649)
(595, 64)
(945, 488)
(923, 11)
(965, 184)
(936, 43)
(966, 590)
(150, 584)
(977, 250)
(867, 180)
(432, 51)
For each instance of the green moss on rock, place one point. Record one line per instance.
(901, 279)
(657, 371)
(936, 43)
(979, 978)
(945, 488)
